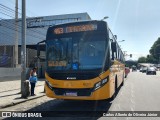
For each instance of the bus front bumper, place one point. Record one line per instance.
(100, 93)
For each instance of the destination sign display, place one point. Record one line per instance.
(57, 63)
(80, 28)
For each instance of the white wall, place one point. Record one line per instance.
(10, 72)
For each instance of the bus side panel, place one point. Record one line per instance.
(112, 84)
(118, 70)
(116, 73)
(121, 74)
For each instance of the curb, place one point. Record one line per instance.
(22, 101)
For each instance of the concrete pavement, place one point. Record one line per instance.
(9, 92)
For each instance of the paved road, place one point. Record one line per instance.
(140, 92)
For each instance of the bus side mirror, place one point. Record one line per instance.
(115, 36)
(113, 47)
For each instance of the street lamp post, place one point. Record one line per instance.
(121, 41)
(125, 54)
(106, 17)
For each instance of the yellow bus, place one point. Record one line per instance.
(83, 61)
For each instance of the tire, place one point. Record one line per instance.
(44, 90)
(122, 81)
(115, 89)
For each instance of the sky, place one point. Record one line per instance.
(135, 21)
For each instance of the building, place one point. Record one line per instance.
(36, 32)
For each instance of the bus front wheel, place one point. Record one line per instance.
(115, 90)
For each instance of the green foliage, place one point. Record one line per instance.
(148, 59)
(142, 60)
(151, 59)
(155, 52)
(152, 50)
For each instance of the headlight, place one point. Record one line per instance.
(100, 84)
(97, 85)
(104, 81)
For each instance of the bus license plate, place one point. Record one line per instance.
(71, 93)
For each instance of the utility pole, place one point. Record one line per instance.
(125, 53)
(16, 36)
(23, 47)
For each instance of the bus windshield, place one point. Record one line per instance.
(76, 53)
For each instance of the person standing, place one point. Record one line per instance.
(33, 80)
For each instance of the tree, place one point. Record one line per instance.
(130, 63)
(151, 59)
(142, 60)
(155, 50)
(152, 50)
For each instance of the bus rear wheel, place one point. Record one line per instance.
(122, 80)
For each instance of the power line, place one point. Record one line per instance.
(9, 9)
(40, 33)
(11, 27)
